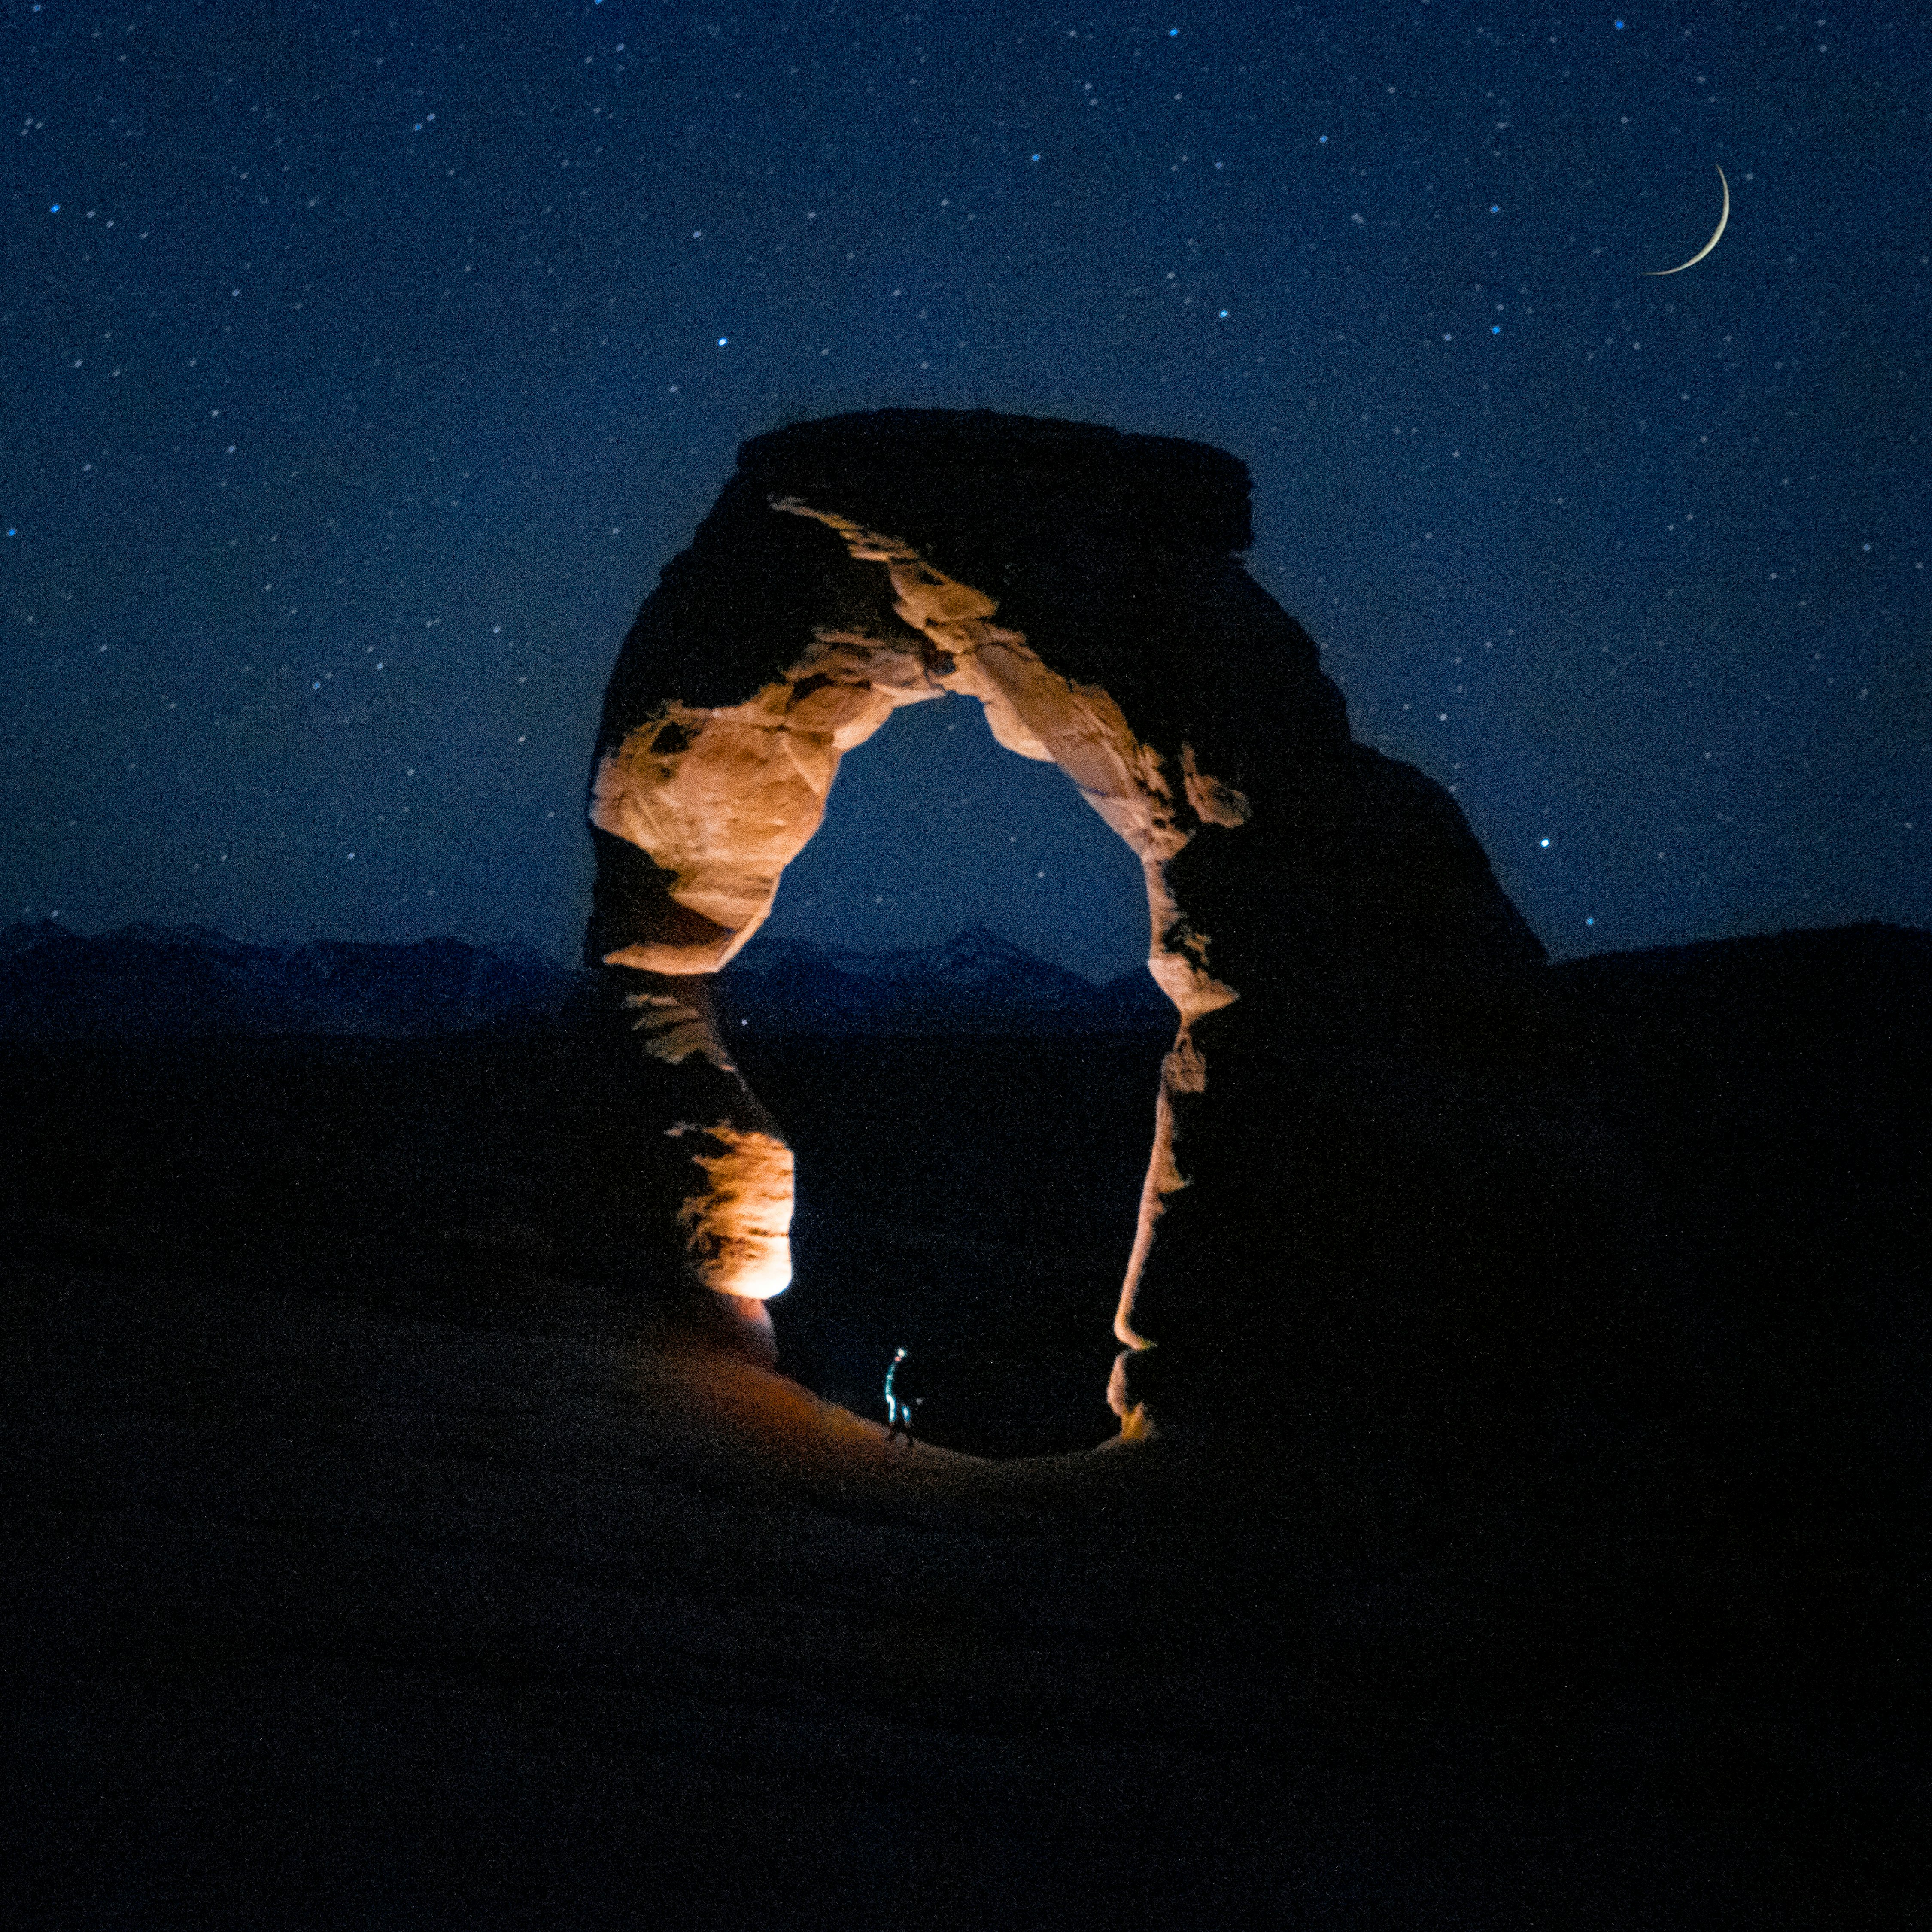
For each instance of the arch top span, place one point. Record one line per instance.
(1031, 709)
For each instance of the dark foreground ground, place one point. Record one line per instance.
(373, 1560)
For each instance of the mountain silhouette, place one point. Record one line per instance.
(148, 982)
(975, 981)
(152, 982)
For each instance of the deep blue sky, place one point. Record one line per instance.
(364, 364)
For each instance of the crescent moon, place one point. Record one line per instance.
(1715, 234)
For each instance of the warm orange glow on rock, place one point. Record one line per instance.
(738, 1230)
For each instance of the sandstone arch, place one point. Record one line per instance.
(1084, 586)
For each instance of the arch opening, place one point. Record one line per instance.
(969, 1114)
(933, 827)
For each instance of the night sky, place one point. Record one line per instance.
(363, 364)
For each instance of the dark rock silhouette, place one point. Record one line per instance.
(1083, 585)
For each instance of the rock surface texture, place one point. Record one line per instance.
(1306, 894)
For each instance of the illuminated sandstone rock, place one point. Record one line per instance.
(1083, 585)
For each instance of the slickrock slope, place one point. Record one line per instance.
(321, 1612)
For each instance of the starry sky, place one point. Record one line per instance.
(364, 364)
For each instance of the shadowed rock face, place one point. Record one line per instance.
(1304, 891)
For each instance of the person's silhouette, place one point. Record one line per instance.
(900, 1401)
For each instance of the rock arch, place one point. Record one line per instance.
(1084, 586)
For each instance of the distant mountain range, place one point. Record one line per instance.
(975, 981)
(147, 982)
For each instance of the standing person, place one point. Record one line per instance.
(899, 1406)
